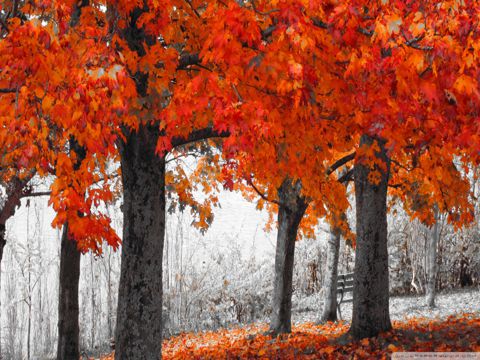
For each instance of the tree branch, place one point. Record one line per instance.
(261, 194)
(365, 32)
(413, 42)
(36, 194)
(319, 23)
(8, 91)
(262, 12)
(347, 177)
(197, 14)
(187, 60)
(197, 135)
(341, 162)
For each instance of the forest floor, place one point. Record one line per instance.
(454, 325)
(447, 303)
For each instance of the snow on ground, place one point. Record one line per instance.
(403, 307)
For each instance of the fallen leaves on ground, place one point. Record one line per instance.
(328, 341)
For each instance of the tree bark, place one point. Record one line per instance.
(68, 329)
(15, 190)
(371, 284)
(139, 315)
(329, 312)
(290, 213)
(68, 344)
(3, 240)
(433, 237)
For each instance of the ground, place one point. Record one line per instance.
(403, 307)
(453, 326)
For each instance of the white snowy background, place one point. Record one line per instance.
(220, 279)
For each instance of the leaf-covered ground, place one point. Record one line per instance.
(310, 341)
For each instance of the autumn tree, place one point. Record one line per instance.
(283, 74)
(106, 112)
(144, 78)
(37, 141)
(396, 94)
(13, 179)
(414, 110)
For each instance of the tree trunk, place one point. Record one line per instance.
(139, 314)
(3, 240)
(290, 212)
(92, 304)
(68, 345)
(68, 330)
(329, 312)
(109, 296)
(433, 237)
(14, 192)
(371, 284)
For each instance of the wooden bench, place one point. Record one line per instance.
(344, 286)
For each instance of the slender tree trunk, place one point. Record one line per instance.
(371, 285)
(68, 344)
(290, 213)
(92, 304)
(109, 297)
(139, 313)
(432, 242)
(3, 240)
(29, 323)
(329, 312)
(68, 329)
(1, 333)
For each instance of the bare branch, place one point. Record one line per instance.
(36, 194)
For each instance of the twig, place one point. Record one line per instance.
(240, 99)
(413, 42)
(189, 2)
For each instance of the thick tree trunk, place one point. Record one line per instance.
(433, 237)
(291, 210)
(329, 312)
(139, 315)
(68, 330)
(371, 285)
